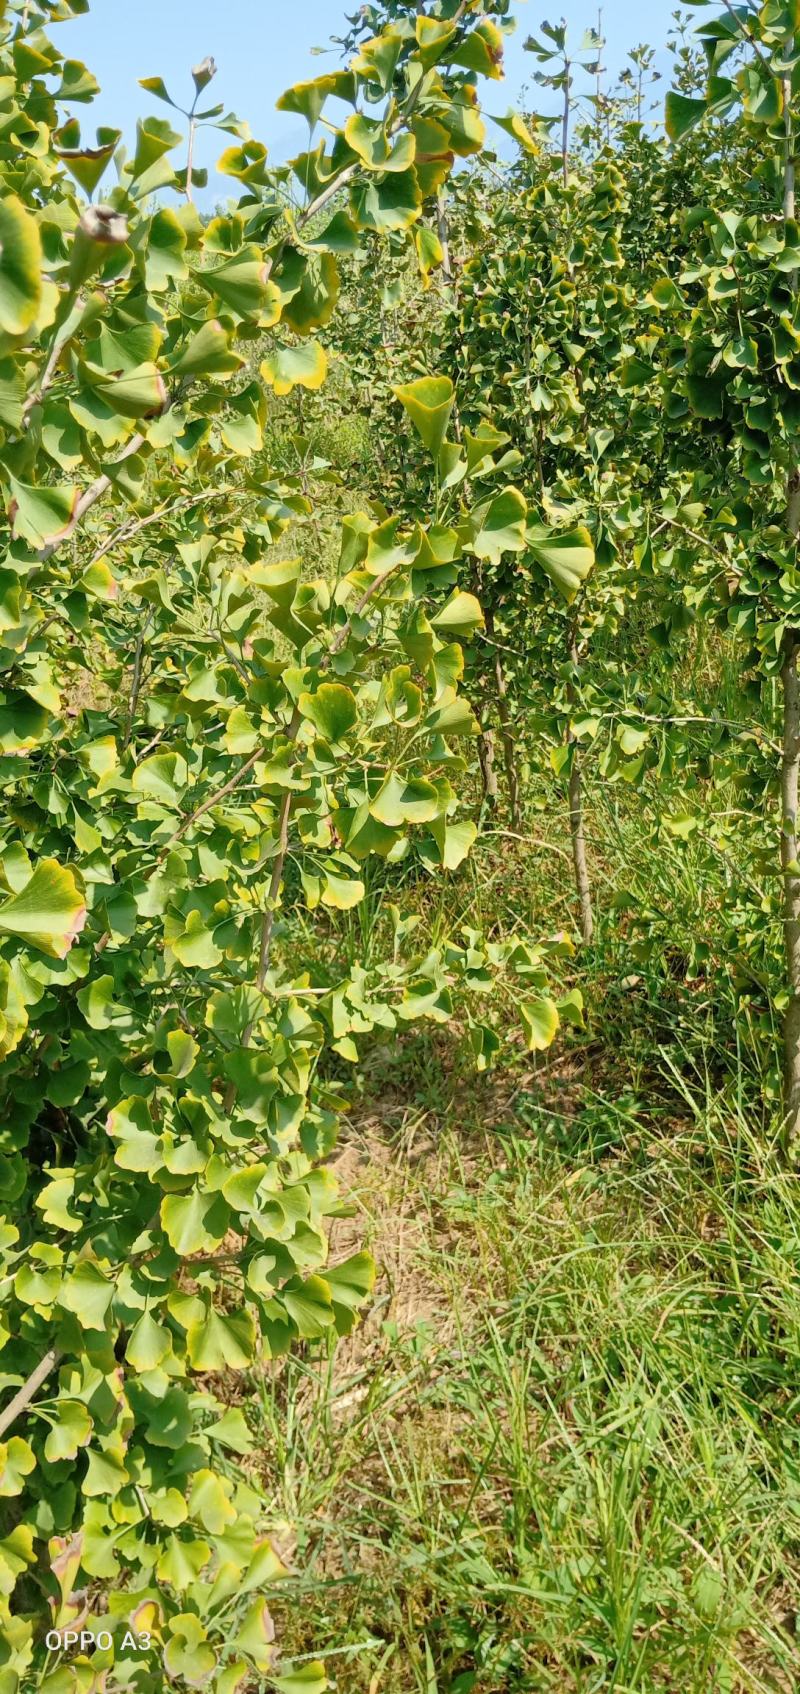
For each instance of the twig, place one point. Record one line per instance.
(129, 529)
(88, 499)
(136, 679)
(26, 1393)
(211, 800)
(48, 373)
(748, 36)
(190, 155)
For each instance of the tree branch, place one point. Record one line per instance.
(26, 1393)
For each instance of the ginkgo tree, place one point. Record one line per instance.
(196, 739)
(731, 361)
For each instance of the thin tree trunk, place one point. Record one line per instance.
(790, 775)
(506, 731)
(790, 763)
(565, 126)
(488, 772)
(190, 161)
(444, 237)
(576, 830)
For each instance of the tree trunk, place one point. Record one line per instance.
(579, 845)
(790, 772)
(576, 831)
(506, 732)
(790, 763)
(488, 772)
(444, 237)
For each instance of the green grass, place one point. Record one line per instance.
(562, 1452)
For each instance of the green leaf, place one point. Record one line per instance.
(247, 162)
(16, 1462)
(481, 50)
(156, 85)
(87, 1293)
(341, 892)
(194, 945)
(540, 1022)
(41, 515)
(99, 1007)
(428, 402)
(307, 1679)
(375, 148)
(187, 1653)
(303, 366)
(682, 113)
(222, 1339)
(499, 527)
(454, 841)
(87, 164)
(350, 1285)
(378, 57)
(570, 1008)
(231, 1431)
(516, 127)
(241, 283)
(485, 1045)
(194, 1223)
(20, 267)
(207, 353)
(402, 802)
(137, 393)
(332, 710)
(308, 98)
(309, 1305)
(71, 1429)
(210, 1502)
(387, 203)
(155, 137)
(566, 556)
(434, 36)
(148, 1344)
(49, 913)
(161, 777)
(461, 616)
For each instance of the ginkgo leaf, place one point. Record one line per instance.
(375, 148)
(429, 402)
(567, 557)
(20, 267)
(303, 366)
(461, 616)
(682, 113)
(499, 527)
(42, 515)
(332, 710)
(48, 913)
(540, 1022)
(515, 126)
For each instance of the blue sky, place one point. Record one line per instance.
(261, 46)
